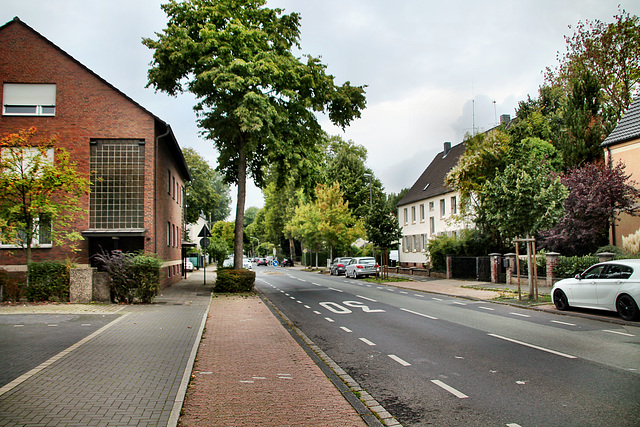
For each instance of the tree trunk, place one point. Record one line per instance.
(242, 194)
(292, 249)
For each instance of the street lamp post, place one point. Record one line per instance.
(368, 175)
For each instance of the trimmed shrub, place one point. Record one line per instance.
(572, 265)
(234, 281)
(48, 281)
(134, 277)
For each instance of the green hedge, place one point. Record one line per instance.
(48, 281)
(135, 277)
(569, 266)
(234, 281)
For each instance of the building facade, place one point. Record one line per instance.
(429, 209)
(623, 145)
(131, 157)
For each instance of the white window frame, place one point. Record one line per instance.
(29, 99)
(443, 208)
(35, 242)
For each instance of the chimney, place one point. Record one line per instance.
(505, 119)
(447, 148)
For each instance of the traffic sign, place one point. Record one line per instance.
(275, 262)
(204, 242)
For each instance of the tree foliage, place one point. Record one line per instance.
(207, 194)
(326, 222)
(611, 53)
(40, 190)
(257, 102)
(596, 194)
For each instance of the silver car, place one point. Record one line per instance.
(612, 285)
(338, 265)
(361, 266)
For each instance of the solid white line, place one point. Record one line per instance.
(400, 361)
(328, 319)
(487, 308)
(22, 378)
(344, 328)
(366, 341)
(368, 299)
(450, 389)
(520, 314)
(563, 323)
(419, 314)
(619, 333)
(557, 353)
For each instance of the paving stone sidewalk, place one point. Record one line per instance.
(251, 372)
(131, 372)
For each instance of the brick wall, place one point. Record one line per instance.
(87, 108)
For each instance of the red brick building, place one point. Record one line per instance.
(131, 156)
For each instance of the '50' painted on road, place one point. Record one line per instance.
(339, 309)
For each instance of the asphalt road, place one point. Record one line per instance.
(437, 360)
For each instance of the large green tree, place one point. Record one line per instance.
(40, 189)
(257, 101)
(207, 194)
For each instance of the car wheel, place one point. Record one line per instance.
(560, 300)
(627, 307)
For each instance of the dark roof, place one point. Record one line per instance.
(431, 182)
(174, 147)
(628, 128)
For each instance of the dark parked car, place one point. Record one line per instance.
(338, 265)
(287, 262)
(262, 261)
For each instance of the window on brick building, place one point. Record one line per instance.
(117, 178)
(21, 99)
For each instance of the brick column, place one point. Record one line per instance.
(449, 267)
(552, 260)
(511, 269)
(495, 267)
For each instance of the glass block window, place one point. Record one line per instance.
(117, 175)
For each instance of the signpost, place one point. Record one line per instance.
(204, 244)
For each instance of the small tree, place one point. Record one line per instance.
(383, 229)
(336, 225)
(40, 190)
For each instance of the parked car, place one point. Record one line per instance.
(228, 263)
(246, 263)
(262, 261)
(188, 265)
(611, 285)
(338, 265)
(361, 266)
(287, 262)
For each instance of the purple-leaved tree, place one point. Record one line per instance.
(596, 194)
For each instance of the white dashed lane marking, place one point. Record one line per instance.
(450, 389)
(399, 360)
(366, 341)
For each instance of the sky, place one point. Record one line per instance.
(434, 70)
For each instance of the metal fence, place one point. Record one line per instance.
(475, 268)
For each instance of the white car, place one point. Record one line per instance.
(188, 265)
(361, 266)
(246, 263)
(611, 285)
